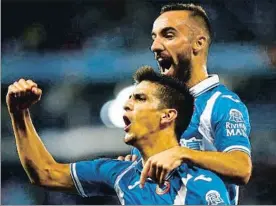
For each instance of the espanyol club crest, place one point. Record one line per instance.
(163, 189)
(236, 116)
(213, 198)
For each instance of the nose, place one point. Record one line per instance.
(128, 105)
(157, 46)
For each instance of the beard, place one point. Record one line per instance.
(183, 69)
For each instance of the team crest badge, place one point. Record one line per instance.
(236, 116)
(163, 189)
(213, 197)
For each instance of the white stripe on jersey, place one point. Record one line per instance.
(76, 180)
(181, 196)
(205, 127)
(182, 192)
(117, 188)
(237, 194)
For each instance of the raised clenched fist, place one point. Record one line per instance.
(22, 94)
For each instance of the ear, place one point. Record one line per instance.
(168, 116)
(199, 44)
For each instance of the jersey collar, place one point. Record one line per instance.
(205, 85)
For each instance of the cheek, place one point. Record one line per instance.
(185, 52)
(146, 122)
(185, 47)
(179, 50)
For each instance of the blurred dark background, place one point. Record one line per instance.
(83, 53)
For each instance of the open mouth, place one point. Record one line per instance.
(164, 65)
(127, 123)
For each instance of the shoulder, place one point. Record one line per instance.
(227, 96)
(203, 186)
(103, 162)
(96, 177)
(207, 186)
(217, 97)
(218, 103)
(204, 178)
(198, 176)
(103, 167)
(100, 170)
(228, 104)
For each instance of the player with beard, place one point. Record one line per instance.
(218, 135)
(157, 112)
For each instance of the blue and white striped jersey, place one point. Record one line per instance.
(220, 122)
(185, 185)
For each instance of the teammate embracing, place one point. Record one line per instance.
(158, 110)
(218, 135)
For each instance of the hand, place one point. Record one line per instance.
(22, 94)
(127, 158)
(160, 165)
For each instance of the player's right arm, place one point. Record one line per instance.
(38, 163)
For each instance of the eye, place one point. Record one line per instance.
(140, 97)
(169, 35)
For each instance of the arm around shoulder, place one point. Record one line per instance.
(235, 166)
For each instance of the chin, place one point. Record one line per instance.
(129, 139)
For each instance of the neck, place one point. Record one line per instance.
(198, 71)
(156, 143)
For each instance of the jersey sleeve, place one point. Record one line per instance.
(206, 189)
(231, 125)
(97, 177)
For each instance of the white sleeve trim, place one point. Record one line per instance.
(76, 180)
(237, 147)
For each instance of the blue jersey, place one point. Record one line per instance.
(220, 122)
(185, 185)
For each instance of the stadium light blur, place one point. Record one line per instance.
(112, 111)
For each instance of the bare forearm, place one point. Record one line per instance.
(32, 153)
(235, 165)
(38, 163)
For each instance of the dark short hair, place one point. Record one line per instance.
(196, 11)
(172, 94)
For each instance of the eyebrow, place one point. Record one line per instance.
(166, 29)
(137, 95)
(140, 94)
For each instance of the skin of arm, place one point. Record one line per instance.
(38, 163)
(235, 165)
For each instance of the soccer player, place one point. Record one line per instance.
(152, 116)
(217, 138)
